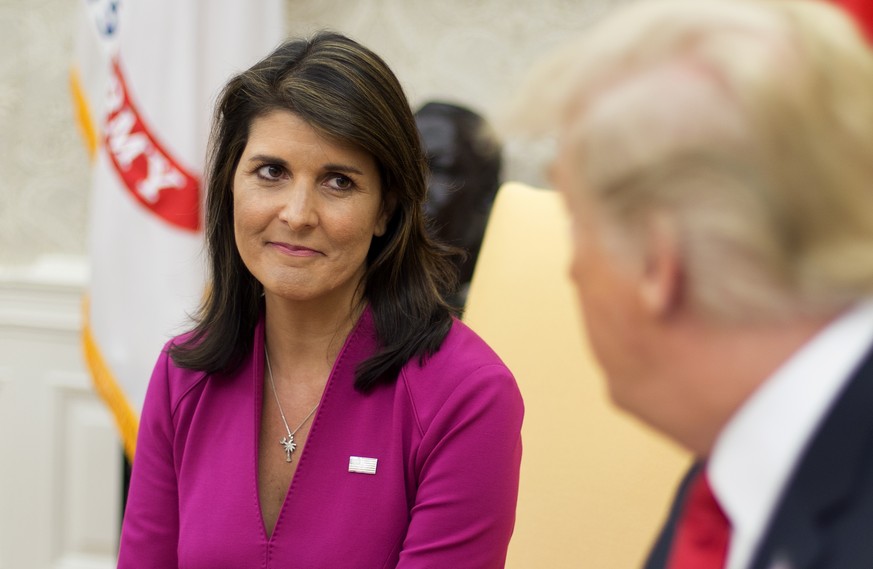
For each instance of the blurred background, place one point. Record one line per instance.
(61, 450)
(61, 459)
(471, 53)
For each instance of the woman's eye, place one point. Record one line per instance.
(270, 172)
(340, 182)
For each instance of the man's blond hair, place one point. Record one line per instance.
(748, 124)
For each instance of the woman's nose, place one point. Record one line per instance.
(299, 210)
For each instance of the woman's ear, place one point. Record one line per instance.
(662, 280)
(389, 205)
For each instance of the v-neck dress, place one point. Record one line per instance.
(444, 442)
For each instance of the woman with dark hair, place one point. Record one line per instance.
(326, 410)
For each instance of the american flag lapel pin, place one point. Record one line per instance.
(362, 464)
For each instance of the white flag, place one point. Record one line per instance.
(145, 81)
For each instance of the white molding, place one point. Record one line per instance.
(84, 562)
(76, 381)
(60, 469)
(45, 296)
(84, 449)
(49, 270)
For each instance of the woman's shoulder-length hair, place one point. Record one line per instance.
(347, 93)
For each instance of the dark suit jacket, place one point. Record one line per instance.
(824, 519)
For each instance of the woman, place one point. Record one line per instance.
(326, 411)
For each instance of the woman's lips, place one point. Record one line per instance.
(294, 250)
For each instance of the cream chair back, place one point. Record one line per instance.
(595, 484)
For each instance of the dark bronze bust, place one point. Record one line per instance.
(465, 159)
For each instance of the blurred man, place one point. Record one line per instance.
(717, 159)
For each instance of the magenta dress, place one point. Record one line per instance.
(445, 438)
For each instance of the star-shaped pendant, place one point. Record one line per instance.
(289, 445)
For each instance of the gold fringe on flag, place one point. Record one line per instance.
(107, 387)
(84, 116)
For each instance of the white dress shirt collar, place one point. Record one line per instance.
(758, 449)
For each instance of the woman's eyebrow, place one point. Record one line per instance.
(266, 158)
(343, 168)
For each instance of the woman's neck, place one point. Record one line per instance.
(305, 337)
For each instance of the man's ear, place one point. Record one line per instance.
(389, 205)
(663, 275)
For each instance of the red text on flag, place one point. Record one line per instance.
(149, 173)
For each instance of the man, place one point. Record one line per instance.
(717, 160)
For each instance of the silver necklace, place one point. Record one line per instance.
(287, 442)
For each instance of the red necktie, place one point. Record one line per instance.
(703, 531)
(862, 10)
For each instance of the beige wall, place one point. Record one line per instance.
(43, 165)
(470, 52)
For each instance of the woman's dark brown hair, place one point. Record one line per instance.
(348, 94)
